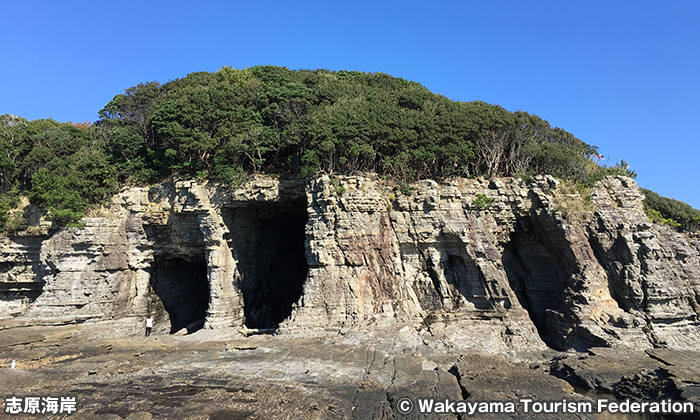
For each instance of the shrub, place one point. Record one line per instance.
(339, 189)
(15, 223)
(482, 202)
(671, 212)
(404, 188)
(656, 217)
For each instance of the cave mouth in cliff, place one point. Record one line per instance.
(183, 287)
(536, 276)
(267, 241)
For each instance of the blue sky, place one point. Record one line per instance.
(621, 75)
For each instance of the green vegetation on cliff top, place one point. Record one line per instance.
(230, 124)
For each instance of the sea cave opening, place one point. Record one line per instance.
(536, 276)
(268, 243)
(183, 287)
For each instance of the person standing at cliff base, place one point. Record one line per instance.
(149, 325)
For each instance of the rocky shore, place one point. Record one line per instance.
(363, 293)
(213, 376)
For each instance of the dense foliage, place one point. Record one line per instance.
(227, 124)
(232, 123)
(61, 166)
(671, 212)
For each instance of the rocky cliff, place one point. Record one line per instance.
(501, 265)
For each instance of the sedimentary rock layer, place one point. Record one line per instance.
(501, 265)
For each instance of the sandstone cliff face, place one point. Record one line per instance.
(471, 264)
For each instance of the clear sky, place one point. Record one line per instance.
(621, 75)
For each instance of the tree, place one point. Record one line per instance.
(134, 107)
(13, 148)
(268, 119)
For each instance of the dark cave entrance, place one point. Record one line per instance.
(536, 275)
(183, 287)
(268, 243)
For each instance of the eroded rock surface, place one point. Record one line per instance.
(204, 376)
(210, 376)
(476, 264)
(462, 290)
